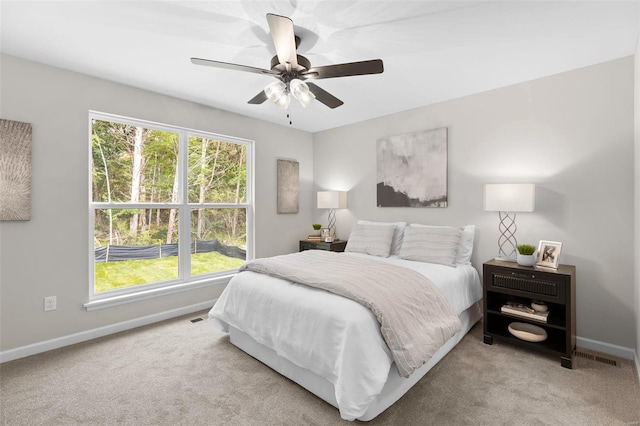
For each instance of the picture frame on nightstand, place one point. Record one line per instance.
(549, 254)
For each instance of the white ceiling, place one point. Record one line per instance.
(432, 50)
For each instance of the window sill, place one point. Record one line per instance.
(121, 299)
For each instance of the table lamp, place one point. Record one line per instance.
(507, 199)
(332, 200)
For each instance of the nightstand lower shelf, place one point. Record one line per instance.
(500, 327)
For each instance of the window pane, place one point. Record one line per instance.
(133, 163)
(161, 172)
(217, 171)
(134, 246)
(218, 240)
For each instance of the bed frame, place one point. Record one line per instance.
(394, 388)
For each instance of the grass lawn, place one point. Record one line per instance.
(112, 275)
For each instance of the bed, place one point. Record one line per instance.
(332, 345)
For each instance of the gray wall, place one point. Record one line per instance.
(571, 134)
(48, 256)
(637, 200)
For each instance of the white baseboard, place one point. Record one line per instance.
(83, 336)
(638, 365)
(606, 348)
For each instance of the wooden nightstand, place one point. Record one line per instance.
(337, 245)
(508, 282)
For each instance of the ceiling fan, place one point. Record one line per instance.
(291, 70)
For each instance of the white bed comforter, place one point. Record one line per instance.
(334, 337)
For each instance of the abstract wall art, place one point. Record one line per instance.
(412, 169)
(15, 170)
(288, 186)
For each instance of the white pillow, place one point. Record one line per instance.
(465, 249)
(431, 244)
(396, 243)
(371, 239)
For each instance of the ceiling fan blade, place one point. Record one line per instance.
(373, 66)
(236, 67)
(283, 39)
(259, 98)
(325, 97)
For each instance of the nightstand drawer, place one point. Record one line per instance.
(534, 285)
(306, 245)
(321, 245)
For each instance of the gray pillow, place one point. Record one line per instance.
(465, 248)
(371, 239)
(431, 244)
(396, 242)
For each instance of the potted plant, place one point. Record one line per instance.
(526, 255)
(316, 229)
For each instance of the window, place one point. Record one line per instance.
(168, 206)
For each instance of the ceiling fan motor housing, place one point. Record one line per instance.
(303, 64)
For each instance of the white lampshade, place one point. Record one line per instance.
(332, 199)
(509, 197)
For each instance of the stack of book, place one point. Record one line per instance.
(524, 311)
(314, 238)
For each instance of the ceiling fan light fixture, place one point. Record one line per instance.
(278, 93)
(283, 100)
(275, 90)
(301, 91)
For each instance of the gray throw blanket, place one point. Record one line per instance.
(415, 317)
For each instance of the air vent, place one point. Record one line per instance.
(196, 319)
(597, 357)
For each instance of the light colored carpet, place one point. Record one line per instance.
(182, 373)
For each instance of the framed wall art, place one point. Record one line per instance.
(288, 186)
(412, 169)
(15, 170)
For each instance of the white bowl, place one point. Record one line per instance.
(528, 332)
(539, 306)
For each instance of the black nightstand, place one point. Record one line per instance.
(508, 282)
(337, 245)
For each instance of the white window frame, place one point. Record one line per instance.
(184, 281)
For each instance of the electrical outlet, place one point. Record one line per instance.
(50, 303)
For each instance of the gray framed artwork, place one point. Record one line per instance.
(15, 170)
(412, 169)
(288, 186)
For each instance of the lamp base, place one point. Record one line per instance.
(332, 224)
(507, 244)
